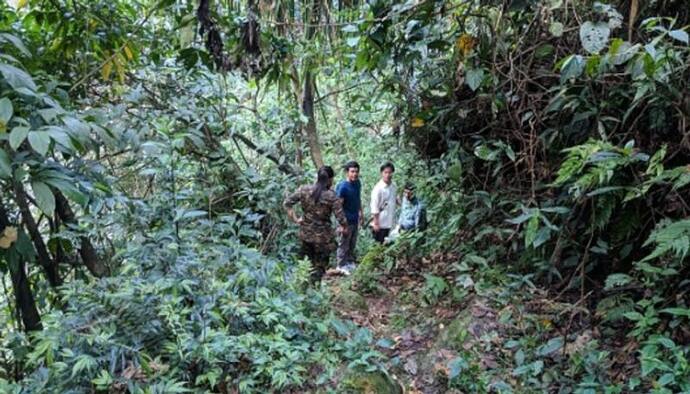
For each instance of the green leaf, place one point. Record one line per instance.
(352, 41)
(544, 51)
(455, 172)
(543, 235)
(677, 311)
(474, 78)
(485, 153)
(14, 40)
(594, 36)
(17, 136)
(531, 231)
(679, 35)
(71, 191)
(6, 111)
(40, 141)
(456, 367)
(84, 361)
(634, 316)
(551, 346)
(103, 381)
(572, 67)
(44, 197)
(616, 280)
(5, 165)
(556, 29)
(16, 77)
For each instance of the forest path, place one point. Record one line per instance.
(420, 336)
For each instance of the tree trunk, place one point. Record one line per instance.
(86, 250)
(308, 111)
(308, 91)
(26, 305)
(49, 265)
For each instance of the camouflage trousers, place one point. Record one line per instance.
(319, 255)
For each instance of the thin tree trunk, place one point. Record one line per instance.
(49, 265)
(308, 91)
(26, 305)
(308, 111)
(297, 93)
(86, 250)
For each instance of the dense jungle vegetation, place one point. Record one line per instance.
(146, 148)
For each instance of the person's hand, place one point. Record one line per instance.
(299, 220)
(343, 230)
(376, 226)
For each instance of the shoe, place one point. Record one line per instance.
(342, 271)
(349, 267)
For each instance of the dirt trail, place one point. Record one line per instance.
(420, 336)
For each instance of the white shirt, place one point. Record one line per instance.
(383, 198)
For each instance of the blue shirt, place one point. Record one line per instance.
(351, 193)
(412, 214)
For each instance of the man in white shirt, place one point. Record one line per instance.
(383, 200)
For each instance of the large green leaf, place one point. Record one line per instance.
(68, 189)
(40, 141)
(6, 111)
(679, 35)
(16, 77)
(572, 67)
(5, 165)
(14, 40)
(44, 197)
(594, 36)
(17, 136)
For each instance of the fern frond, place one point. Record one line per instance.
(670, 238)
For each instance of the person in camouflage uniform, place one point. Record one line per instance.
(318, 203)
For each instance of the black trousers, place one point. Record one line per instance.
(381, 235)
(318, 254)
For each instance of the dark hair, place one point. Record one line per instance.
(351, 164)
(387, 164)
(409, 186)
(323, 177)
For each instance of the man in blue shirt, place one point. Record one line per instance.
(350, 191)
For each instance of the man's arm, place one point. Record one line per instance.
(375, 203)
(340, 214)
(289, 204)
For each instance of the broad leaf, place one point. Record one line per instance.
(677, 311)
(40, 141)
(679, 35)
(16, 77)
(44, 197)
(594, 36)
(5, 165)
(17, 136)
(474, 78)
(572, 67)
(14, 40)
(6, 111)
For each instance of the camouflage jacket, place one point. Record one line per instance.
(316, 225)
